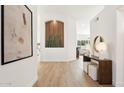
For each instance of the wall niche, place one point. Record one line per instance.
(54, 34)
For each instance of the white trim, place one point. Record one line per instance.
(119, 84)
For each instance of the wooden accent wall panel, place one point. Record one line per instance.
(54, 36)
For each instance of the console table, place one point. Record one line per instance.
(104, 69)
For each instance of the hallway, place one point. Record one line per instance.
(64, 74)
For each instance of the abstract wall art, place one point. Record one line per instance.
(16, 33)
(54, 36)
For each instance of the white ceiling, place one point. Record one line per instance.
(81, 13)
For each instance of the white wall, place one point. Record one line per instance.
(83, 37)
(120, 47)
(106, 26)
(83, 28)
(58, 54)
(83, 31)
(72, 39)
(23, 72)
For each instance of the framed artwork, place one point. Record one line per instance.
(16, 33)
(54, 34)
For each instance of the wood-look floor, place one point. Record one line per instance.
(64, 74)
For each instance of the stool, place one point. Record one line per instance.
(85, 66)
(92, 71)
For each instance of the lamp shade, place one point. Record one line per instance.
(101, 46)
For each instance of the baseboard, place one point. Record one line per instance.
(35, 84)
(5, 84)
(119, 84)
(12, 84)
(69, 60)
(16, 85)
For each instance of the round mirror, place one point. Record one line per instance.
(99, 44)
